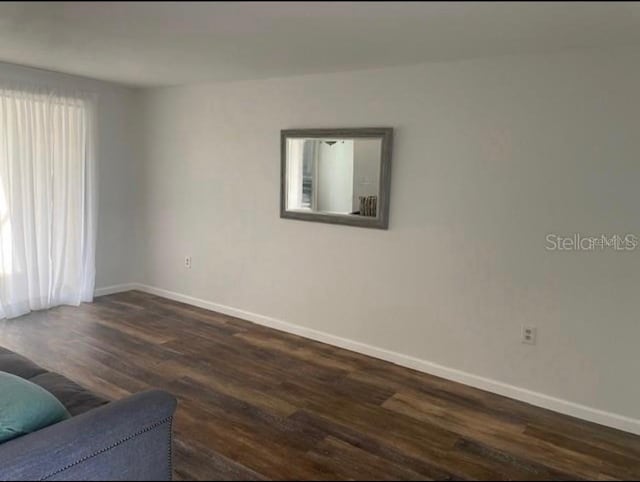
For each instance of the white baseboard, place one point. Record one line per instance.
(566, 407)
(109, 290)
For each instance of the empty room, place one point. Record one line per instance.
(319, 240)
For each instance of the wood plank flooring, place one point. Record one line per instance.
(258, 404)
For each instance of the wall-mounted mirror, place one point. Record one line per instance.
(339, 176)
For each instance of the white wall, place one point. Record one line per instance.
(117, 169)
(490, 156)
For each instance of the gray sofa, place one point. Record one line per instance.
(125, 440)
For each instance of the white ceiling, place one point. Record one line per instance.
(150, 44)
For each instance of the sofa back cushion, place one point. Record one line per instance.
(26, 407)
(75, 398)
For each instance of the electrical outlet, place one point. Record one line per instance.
(529, 335)
(187, 262)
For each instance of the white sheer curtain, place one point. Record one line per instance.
(47, 199)
(295, 160)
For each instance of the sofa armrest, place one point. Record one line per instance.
(125, 440)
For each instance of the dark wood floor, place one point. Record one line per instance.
(260, 404)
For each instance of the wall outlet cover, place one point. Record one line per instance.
(529, 335)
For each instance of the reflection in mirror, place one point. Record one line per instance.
(333, 175)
